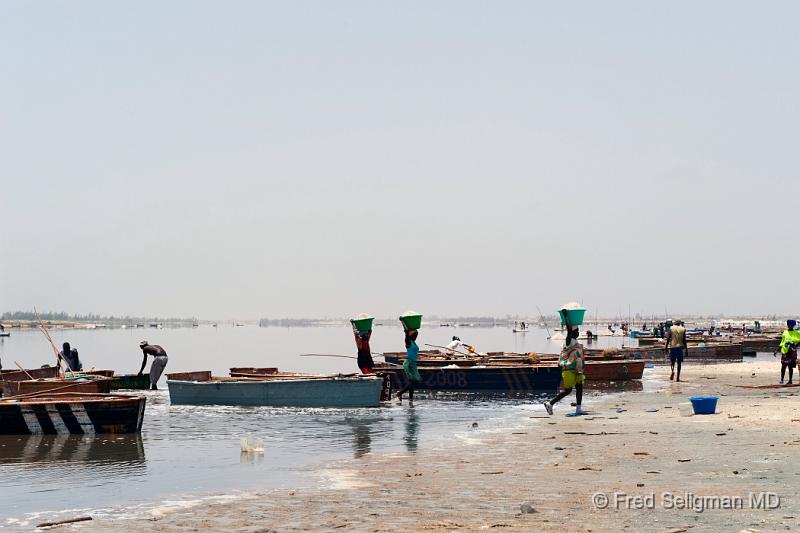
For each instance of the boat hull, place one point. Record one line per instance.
(482, 379)
(72, 414)
(131, 381)
(333, 392)
(614, 370)
(99, 385)
(35, 373)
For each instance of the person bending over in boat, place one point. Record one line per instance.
(159, 361)
(788, 346)
(571, 363)
(70, 357)
(677, 347)
(410, 364)
(454, 345)
(365, 362)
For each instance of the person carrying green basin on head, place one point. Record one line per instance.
(410, 364)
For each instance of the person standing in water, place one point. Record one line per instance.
(159, 361)
(677, 347)
(70, 357)
(571, 363)
(410, 364)
(365, 362)
(788, 346)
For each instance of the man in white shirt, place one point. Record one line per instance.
(454, 345)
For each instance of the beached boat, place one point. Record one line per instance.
(657, 354)
(437, 358)
(278, 389)
(479, 378)
(79, 383)
(65, 413)
(598, 369)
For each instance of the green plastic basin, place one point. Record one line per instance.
(412, 321)
(575, 316)
(363, 324)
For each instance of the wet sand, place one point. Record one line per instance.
(555, 465)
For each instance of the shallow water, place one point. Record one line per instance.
(187, 450)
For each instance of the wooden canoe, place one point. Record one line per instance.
(71, 413)
(35, 373)
(86, 384)
(276, 389)
(503, 378)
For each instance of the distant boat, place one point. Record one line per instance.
(195, 325)
(277, 389)
(213, 325)
(140, 325)
(520, 327)
(5, 334)
(238, 324)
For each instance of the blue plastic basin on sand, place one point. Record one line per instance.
(704, 405)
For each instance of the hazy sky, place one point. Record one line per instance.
(245, 159)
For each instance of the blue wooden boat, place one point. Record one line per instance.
(276, 389)
(500, 378)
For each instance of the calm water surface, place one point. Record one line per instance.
(188, 450)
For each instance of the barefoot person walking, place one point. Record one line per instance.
(571, 363)
(677, 348)
(410, 364)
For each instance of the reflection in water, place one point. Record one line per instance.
(631, 385)
(92, 452)
(362, 434)
(250, 458)
(412, 428)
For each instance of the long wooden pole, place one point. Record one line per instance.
(327, 355)
(26, 372)
(50, 339)
(543, 322)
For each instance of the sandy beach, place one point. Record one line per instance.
(628, 465)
